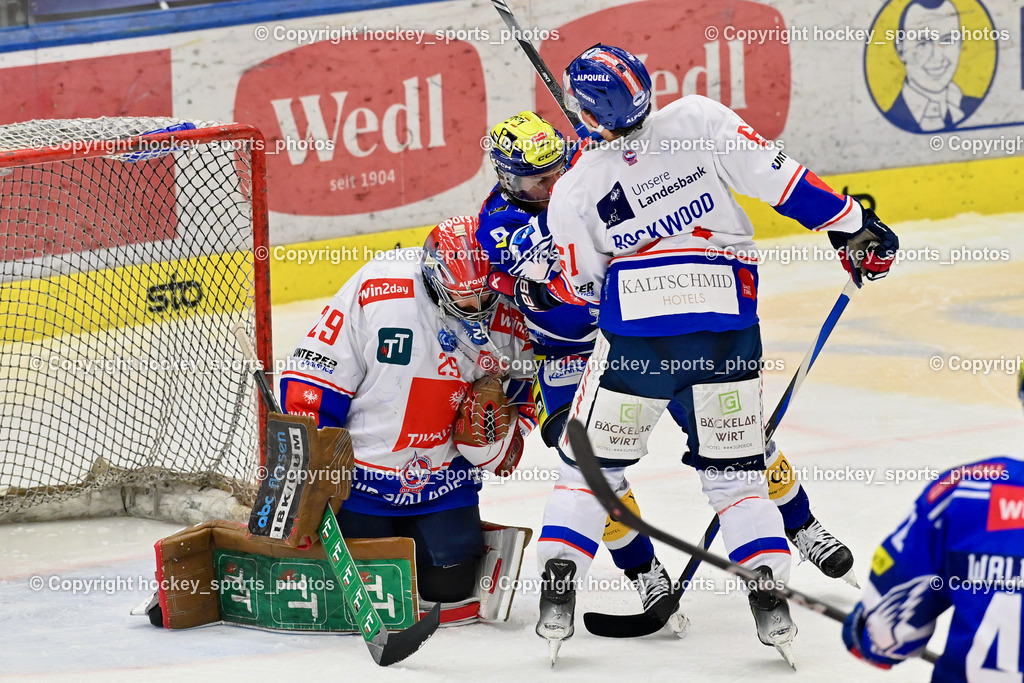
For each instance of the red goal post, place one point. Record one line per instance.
(128, 249)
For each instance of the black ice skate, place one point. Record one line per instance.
(655, 588)
(557, 604)
(775, 627)
(824, 550)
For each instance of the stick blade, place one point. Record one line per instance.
(397, 645)
(627, 625)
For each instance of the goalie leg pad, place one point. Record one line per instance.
(496, 577)
(454, 613)
(498, 572)
(217, 571)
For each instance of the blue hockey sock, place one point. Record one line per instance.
(796, 512)
(636, 553)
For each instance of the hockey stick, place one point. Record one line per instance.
(242, 339)
(652, 620)
(538, 64)
(591, 470)
(386, 647)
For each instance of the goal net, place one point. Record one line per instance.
(128, 249)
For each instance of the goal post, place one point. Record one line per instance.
(129, 247)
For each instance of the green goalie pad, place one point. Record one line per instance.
(217, 573)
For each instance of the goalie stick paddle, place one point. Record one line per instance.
(653, 620)
(386, 647)
(591, 470)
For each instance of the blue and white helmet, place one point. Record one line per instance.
(610, 83)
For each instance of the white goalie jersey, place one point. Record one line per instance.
(384, 363)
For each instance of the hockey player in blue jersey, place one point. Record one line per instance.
(660, 243)
(528, 156)
(962, 547)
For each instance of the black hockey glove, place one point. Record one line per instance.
(869, 252)
(526, 294)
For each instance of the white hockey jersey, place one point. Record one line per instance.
(383, 362)
(647, 225)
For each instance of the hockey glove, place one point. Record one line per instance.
(869, 252)
(575, 148)
(853, 632)
(486, 428)
(526, 294)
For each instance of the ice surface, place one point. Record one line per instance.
(871, 405)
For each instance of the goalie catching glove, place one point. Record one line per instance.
(485, 430)
(869, 252)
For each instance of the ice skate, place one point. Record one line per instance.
(824, 550)
(655, 588)
(771, 616)
(557, 604)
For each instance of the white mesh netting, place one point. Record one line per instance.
(120, 278)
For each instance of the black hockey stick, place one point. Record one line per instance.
(587, 461)
(242, 339)
(654, 619)
(386, 647)
(542, 69)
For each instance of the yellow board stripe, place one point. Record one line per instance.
(316, 270)
(986, 186)
(130, 295)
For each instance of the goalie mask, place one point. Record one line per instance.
(455, 267)
(528, 155)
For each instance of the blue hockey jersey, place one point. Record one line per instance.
(500, 220)
(962, 547)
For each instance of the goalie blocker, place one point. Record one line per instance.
(274, 575)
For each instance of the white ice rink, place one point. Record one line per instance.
(872, 407)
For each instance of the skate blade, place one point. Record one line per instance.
(851, 578)
(786, 650)
(142, 609)
(553, 646)
(679, 624)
